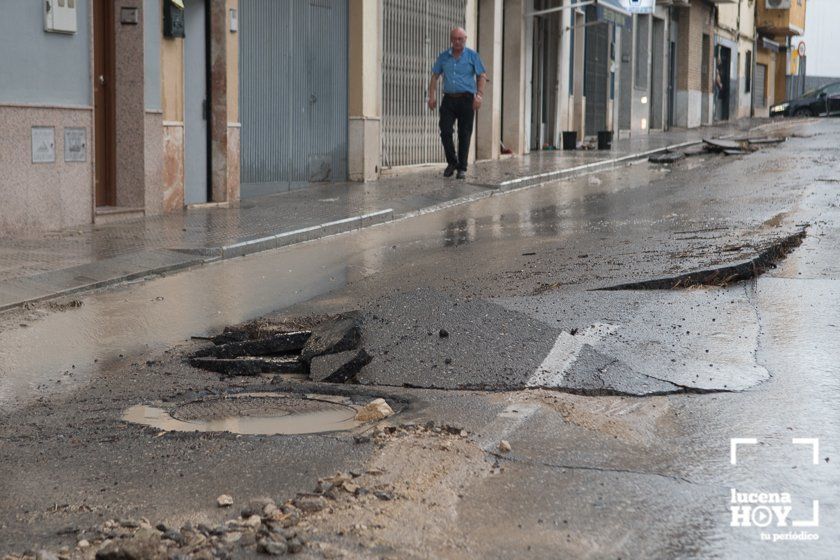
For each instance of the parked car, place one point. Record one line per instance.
(824, 101)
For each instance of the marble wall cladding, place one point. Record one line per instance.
(233, 163)
(130, 110)
(173, 168)
(219, 99)
(43, 196)
(154, 163)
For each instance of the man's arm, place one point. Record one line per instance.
(432, 102)
(479, 94)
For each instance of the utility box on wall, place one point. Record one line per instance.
(60, 16)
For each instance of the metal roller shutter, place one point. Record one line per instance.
(293, 93)
(414, 32)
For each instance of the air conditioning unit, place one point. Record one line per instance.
(778, 4)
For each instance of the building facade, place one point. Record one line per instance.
(734, 59)
(115, 109)
(777, 23)
(110, 116)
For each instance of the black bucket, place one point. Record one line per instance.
(569, 139)
(605, 139)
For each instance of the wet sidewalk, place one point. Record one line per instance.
(46, 265)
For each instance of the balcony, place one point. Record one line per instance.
(780, 17)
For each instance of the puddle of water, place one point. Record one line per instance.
(309, 423)
(273, 417)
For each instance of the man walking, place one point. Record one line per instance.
(461, 98)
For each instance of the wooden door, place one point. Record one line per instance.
(103, 103)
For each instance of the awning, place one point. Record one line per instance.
(612, 11)
(615, 5)
(770, 45)
(602, 6)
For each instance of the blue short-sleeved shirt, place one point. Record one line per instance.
(459, 74)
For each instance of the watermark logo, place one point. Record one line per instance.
(773, 510)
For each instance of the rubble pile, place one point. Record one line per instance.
(329, 350)
(262, 527)
(444, 435)
(734, 147)
(738, 146)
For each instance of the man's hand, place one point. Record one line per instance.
(432, 92)
(477, 102)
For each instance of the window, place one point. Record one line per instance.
(748, 72)
(642, 32)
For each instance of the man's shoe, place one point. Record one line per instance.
(450, 169)
(461, 174)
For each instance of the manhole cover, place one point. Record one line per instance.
(252, 413)
(256, 405)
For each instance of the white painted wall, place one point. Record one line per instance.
(822, 20)
(43, 68)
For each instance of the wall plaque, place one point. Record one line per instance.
(129, 16)
(75, 144)
(43, 144)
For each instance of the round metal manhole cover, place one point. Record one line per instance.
(253, 414)
(253, 405)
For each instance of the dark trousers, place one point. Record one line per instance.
(456, 109)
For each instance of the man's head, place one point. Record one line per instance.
(458, 38)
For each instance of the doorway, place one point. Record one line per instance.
(544, 81)
(723, 64)
(596, 86)
(672, 81)
(105, 193)
(656, 76)
(625, 96)
(196, 104)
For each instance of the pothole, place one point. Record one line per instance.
(252, 414)
(724, 275)
(325, 349)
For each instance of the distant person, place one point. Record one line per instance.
(462, 95)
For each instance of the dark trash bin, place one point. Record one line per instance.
(605, 139)
(569, 139)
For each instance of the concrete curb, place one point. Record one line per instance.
(286, 238)
(109, 272)
(43, 287)
(597, 165)
(530, 181)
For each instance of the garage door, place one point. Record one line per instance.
(293, 93)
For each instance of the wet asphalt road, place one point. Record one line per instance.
(620, 431)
